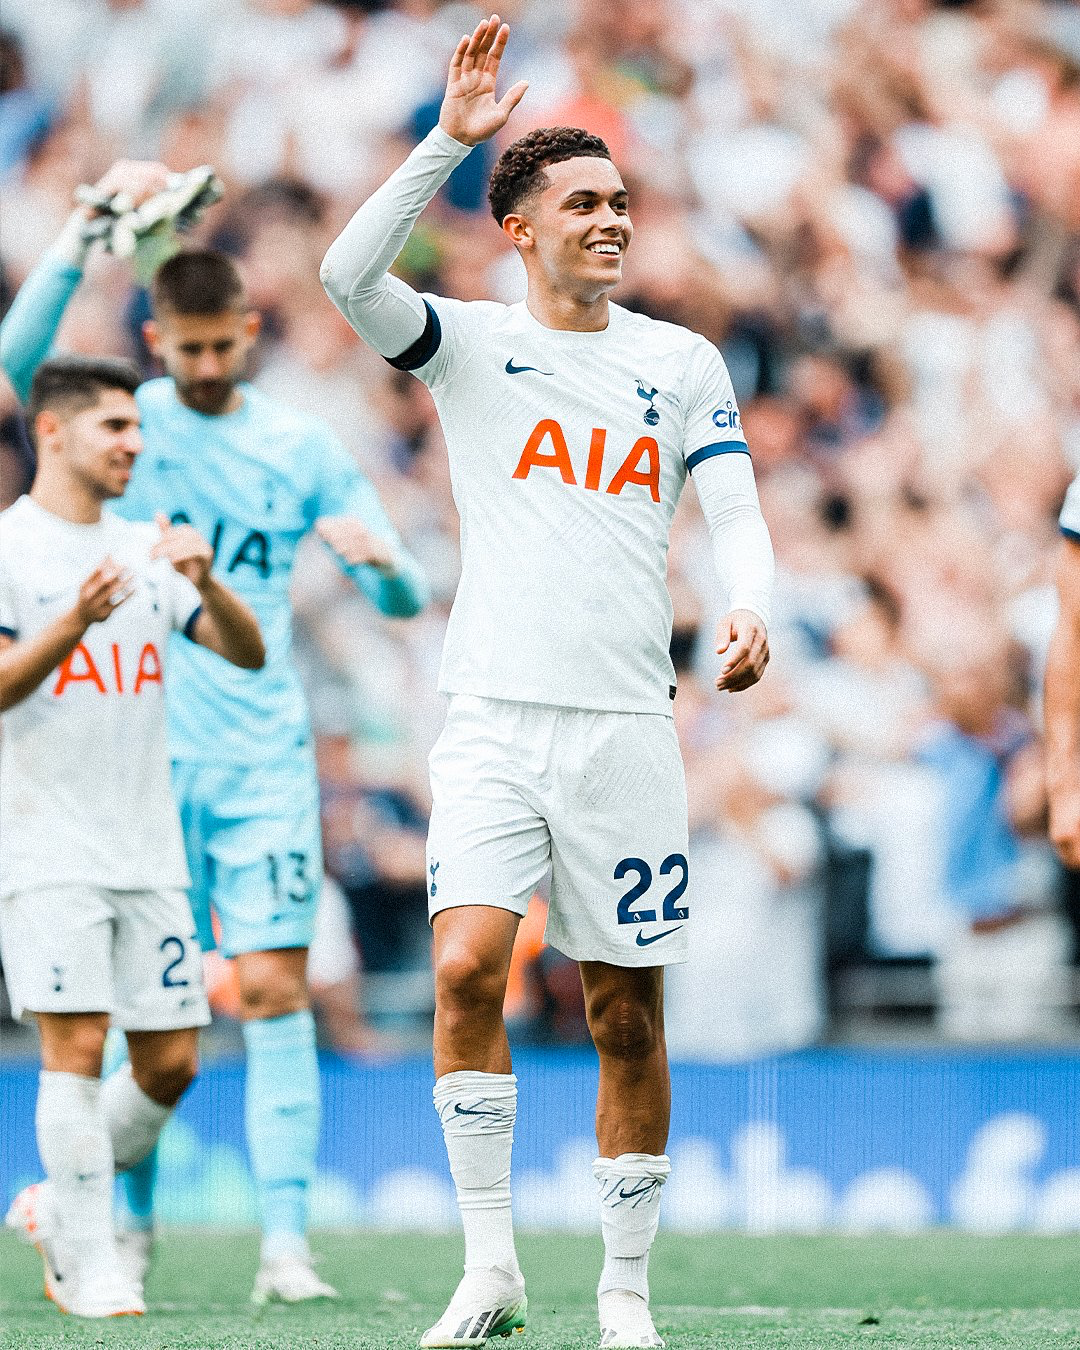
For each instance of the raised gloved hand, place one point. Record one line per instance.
(147, 230)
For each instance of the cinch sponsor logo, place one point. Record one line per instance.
(727, 417)
(631, 470)
(81, 668)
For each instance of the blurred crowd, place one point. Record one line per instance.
(872, 207)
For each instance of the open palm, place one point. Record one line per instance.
(470, 112)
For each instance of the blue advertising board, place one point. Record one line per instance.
(827, 1139)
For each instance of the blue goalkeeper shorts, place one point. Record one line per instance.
(254, 850)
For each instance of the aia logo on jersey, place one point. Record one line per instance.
(252, 551)
(641, 465)
(81, 668)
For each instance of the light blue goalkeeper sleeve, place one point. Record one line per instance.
(29, 327)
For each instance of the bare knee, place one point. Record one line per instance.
(73, 1042)
(469, 982)
(272, 984)
(625, 1027)
(260, 1000)
(166, 1072)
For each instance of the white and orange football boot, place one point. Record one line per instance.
(32, 1216)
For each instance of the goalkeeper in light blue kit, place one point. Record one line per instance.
(254, 478)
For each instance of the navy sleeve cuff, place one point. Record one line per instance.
(1069, 534)
(189, 627)
(8, 632)
(717, 448)
(423, 349)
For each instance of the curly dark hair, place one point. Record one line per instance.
(520, 168)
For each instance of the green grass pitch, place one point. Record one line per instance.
(940, 1291)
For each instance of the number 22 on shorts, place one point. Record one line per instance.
(671, 911)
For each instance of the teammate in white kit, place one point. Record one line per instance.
(94, 914)
(571, 424)
(1062, 703)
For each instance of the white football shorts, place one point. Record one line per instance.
(597, 797)
(132, 954)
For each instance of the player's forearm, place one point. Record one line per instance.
(354, 272)
(400, 594)
(30, 325)
(227, 626)
(26, 664)
(741, 545)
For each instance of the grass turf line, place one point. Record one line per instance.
(939, 1291)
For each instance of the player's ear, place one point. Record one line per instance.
(252, 324)
(46, 424)
(151, 332)
(518, 230)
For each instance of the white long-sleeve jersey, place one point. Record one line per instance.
(568, 451)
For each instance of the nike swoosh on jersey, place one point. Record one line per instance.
(54, 595)
(643, 941)
(511, 369)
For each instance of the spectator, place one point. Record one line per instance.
(1001, 968)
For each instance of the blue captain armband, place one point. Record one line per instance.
(717, 448)
(423, 349)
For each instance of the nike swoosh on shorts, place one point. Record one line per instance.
(643, 941)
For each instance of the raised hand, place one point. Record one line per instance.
(469, 110)
(354, 543)
(186, 550)
(105, 589)
(742, 636)
(130, 181)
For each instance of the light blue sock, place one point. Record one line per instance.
(282, 1118)
(135, 1211)
(134, 1207)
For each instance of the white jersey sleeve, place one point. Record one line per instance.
(718, 459)
(184, 599)
(457, 328)
(712, 424)
(385, 311)
(741, 545)
(1070, 512)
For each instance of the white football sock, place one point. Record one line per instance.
(73, 1141)
(629, 1213)
(134, 1120)
(477, 1111)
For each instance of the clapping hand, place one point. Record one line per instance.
(186, 550)
(105, 589)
